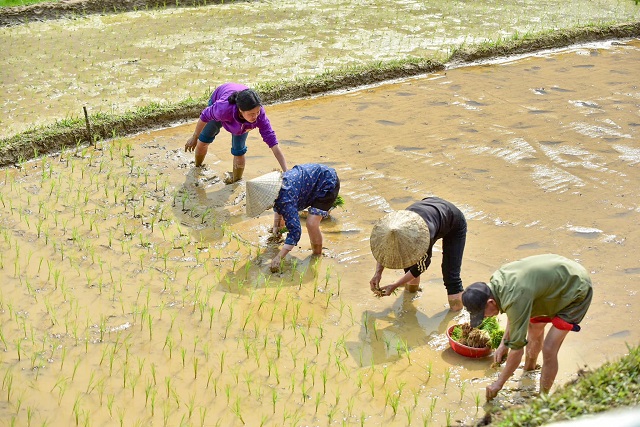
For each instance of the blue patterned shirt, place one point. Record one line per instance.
(301, 186)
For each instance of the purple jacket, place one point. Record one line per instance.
(221, 111)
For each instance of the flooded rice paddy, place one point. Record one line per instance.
(135, 291)
(115, 63)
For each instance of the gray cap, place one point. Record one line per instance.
(474, 299)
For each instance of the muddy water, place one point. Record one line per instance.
(116, 63)
(135, 291)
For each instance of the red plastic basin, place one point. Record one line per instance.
(467, 351)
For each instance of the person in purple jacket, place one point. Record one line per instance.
(239, 110)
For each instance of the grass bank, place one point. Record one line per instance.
(72, 132)
(613, 385)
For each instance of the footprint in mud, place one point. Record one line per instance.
(388, 123)
(559, 89)
(586, 104)
(409, 148)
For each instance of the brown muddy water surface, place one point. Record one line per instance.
(136, 292)
(117, 63)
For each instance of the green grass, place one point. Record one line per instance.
(14, 3)
(613, 385)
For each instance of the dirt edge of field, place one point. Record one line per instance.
(60, 135)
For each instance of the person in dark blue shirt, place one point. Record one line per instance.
(311, 185)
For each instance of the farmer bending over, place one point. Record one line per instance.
(310, 185)
(532, 292)
(405, 239)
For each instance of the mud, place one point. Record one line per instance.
(136, 291)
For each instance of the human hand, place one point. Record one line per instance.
(500, 354)
(387, 290)
(191, 144)
(492, 390)
(275, 263)
(275, 239)
(374, 283)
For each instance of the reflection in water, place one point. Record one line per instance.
(392, 333)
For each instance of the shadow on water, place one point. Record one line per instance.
(388, 335)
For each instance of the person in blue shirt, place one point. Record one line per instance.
(311, 185)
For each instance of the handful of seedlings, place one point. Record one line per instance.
(378, 292)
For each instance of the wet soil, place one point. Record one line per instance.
(135, 289)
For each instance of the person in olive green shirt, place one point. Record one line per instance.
(533, 291)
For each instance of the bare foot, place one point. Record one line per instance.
(455, 302)
(228, 178)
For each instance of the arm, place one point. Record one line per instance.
(502, 349)
(374, 283)
(292, 221)
(513, 361)
(279, 156)
(278, 223)
(193, 140)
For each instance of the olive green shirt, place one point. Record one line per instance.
(539, 285)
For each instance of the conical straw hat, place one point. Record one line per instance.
(399, 239)
(262, 192)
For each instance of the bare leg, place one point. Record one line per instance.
(552, 344)
(200, 152)
(413, 285)
(315, 236)
(534, 345)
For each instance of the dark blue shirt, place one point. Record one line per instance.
(301, 186)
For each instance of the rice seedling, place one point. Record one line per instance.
(183, 354)
(463, 386)
(432, 406)
(276, 373)
(18, 343)
(191, 405)
(331, 414)
(447, 376)
(222, 356)
(324, 376)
